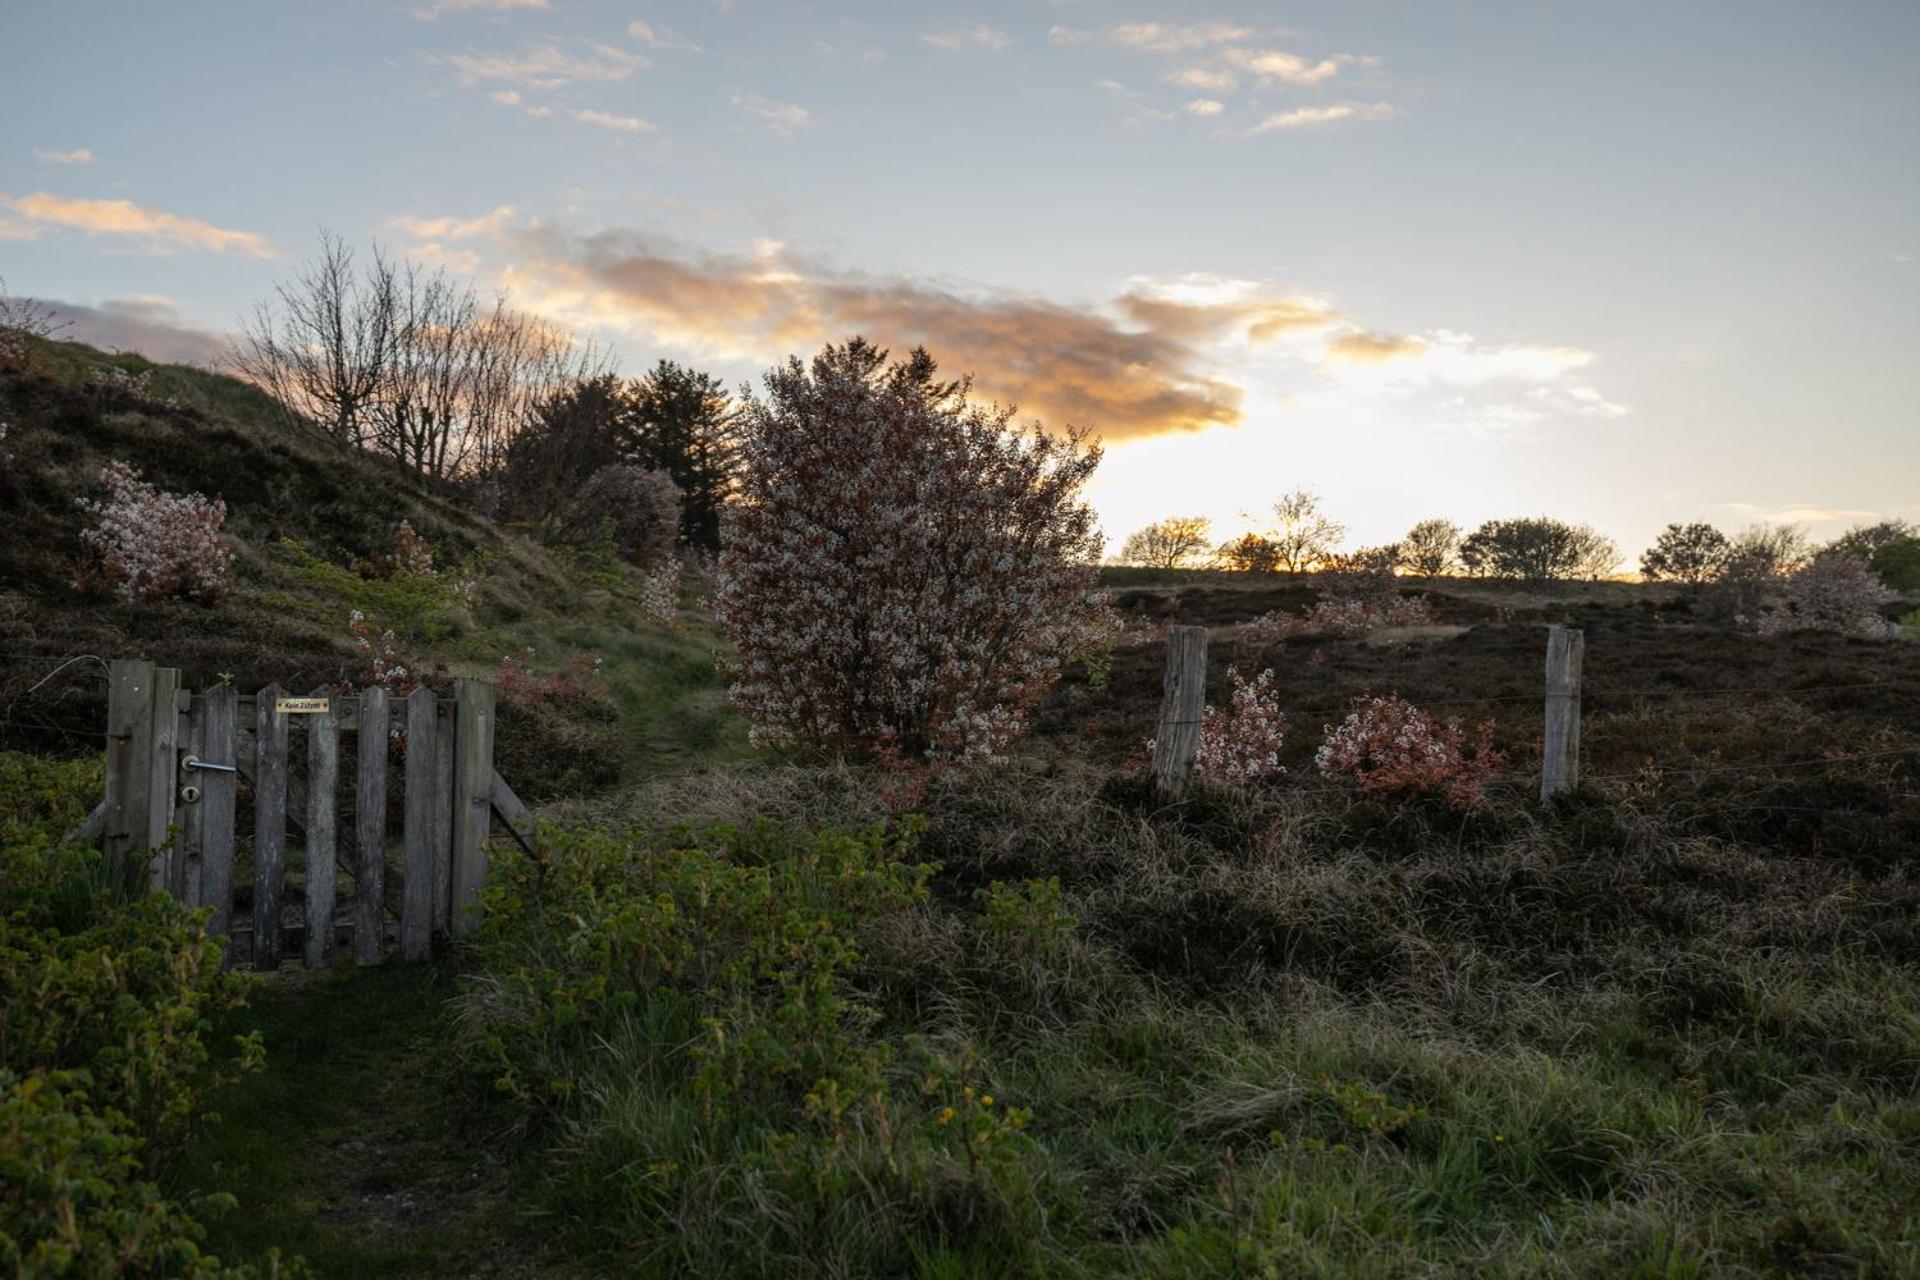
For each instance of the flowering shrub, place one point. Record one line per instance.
(581, 677)
(1832, 592)
(1340, 617)
(411, 552)
(636, 508)
(381, 661)
(1391, 747)
(154, 545)
(660, 594)
(903, 565)
(1241, 741)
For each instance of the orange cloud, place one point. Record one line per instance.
(1137, 373)
(161, 230)
(1360, 347)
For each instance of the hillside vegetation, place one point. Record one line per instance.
(310, 524)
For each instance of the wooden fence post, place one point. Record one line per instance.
(323, 838)
(370, 865)
(1182, 705)
(129, 768)
(219, 744)
(163, 787)
(443, 817)
(473, 702)
(416, 889)
(269, 824)
(1560, 751)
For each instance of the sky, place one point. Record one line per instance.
(1623, 263)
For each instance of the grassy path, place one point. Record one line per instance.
(349, 1148)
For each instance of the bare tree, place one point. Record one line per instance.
(1167, 544)
(22, 319)
(1303, 535)
(408, 363)
(325, 345)
(1431, 547)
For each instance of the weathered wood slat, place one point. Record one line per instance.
(1560, 750)
(1182, 707)
(129, 764)
(514, 813)
(323, 778)
(269, 827)
(185, 882)
(370, 824)
(442, 816)
(218, 791)
(472, 800)
(163, 765)
(416, 903)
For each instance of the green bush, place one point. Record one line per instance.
(419, 608)
(107, 1008)
(694, 1020)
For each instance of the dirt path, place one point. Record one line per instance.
(351, 1149)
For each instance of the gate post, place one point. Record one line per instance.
(129, 769)
(472, 800)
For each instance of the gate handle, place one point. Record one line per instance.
(195, 762)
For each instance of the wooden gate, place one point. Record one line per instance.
(177, 761)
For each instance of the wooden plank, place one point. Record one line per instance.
(1560, 749)
(370, 824)
(218, 791)
(442, 815)
(184, 884)
(416, 904)
(472, 800)
(323, 780)
(129, 766)
(163, 781)
(514, 813)
(90, 830)
(269, 826)
(1183, 699)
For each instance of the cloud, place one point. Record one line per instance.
(1139, 365)
(1161, 37)
(148, 324)
(658, 37)
(1067, 36)
(454, 228)
(1360, 347)
(977, 37)
(434, 8)
(1205, 107)
(161, 231)
(781, 117)
(1205, 79)
(1804, 513)
(619, 124)
(13, 230)
(82, 156)
(506, 97)
(1287, 68)
(1321, 117)
(1360, 359)
(547, 66)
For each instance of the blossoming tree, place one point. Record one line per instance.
(905, 570)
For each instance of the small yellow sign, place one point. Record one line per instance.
(303, 706)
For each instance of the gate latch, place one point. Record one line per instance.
(195, 762)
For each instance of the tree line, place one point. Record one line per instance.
(505, 411)
(1301, 537)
